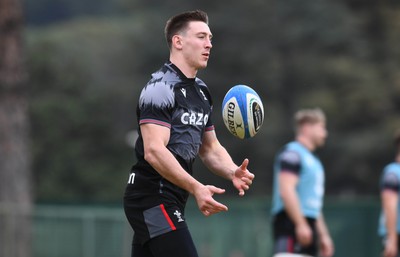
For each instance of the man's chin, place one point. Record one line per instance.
(202, 66)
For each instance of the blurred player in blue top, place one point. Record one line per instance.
(389, 225)
(298, 190)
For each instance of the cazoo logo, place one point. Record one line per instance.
(194, 118)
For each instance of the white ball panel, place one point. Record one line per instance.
(233, 118)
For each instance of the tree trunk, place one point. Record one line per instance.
(15, 161)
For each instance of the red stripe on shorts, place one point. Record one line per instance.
(290, 245)
(171, 224)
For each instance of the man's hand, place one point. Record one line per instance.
(390, 247)
(205, 201)
(242, 178)
(304, 234)
(326, 246)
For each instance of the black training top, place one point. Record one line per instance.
(183, 105)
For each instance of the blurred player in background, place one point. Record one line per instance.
(389, 225)
(174, 116)
(298, 190)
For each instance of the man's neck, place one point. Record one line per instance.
(306, 143)
(188, 71)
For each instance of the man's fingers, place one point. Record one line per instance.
(206, 213)
(213, 208)
(305, 240)
(217, 190)
(247, 181)
(244, 164)
(216, 206)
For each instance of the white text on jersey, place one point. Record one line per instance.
(194, 118)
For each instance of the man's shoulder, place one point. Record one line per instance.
(290, 151)
(158, 91)
(161, 86)
(393, 167)
(290, 156)
(166, 75)
(200, 82)
(293, 147)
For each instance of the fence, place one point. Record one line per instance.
(244, 231)
(66, 231)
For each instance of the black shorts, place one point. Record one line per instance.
(152, 221)
(285, 236)
(177, 243)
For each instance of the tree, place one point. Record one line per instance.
(15, 177)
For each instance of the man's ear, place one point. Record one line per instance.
(177, 42)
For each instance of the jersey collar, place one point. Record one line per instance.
(178, 71)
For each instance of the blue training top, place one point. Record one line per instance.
(297, 159)
(390, 180)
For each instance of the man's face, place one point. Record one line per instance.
(317, 133)
(196, 44)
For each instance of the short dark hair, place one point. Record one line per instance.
(180, 22)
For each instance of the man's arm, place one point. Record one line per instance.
(218, 160)
(155, 140)
(389, 205)
(287, 186)
(325, 240)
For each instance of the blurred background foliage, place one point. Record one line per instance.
(88, 61)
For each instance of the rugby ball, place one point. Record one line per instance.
(242, 111)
